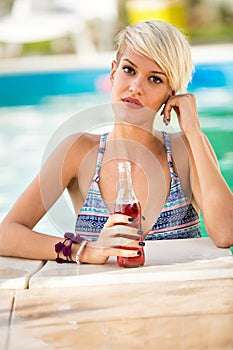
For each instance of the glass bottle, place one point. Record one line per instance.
(127, 204)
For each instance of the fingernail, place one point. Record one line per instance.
(139, 252)
(130, 219)
(141, 244)
(165, 121)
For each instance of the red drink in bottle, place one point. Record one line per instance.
(127, 204)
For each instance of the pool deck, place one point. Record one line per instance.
(201, 54)
(180, 299)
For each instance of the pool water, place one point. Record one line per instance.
(25, 132)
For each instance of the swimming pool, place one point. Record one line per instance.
(33, 105)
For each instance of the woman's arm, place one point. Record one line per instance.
(17, 237)
(209, 188)
(211, 191)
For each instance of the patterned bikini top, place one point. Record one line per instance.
(178, 218)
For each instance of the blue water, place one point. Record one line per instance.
(31, 88)
(34, 105)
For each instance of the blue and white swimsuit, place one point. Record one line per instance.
(178, 218)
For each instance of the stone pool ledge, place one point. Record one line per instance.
(180, 299)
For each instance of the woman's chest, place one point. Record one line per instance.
(150, 182)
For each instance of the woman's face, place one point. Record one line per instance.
(138, 83)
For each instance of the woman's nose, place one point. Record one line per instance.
(136, 86)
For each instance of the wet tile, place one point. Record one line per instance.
(161, 315)
(6, 306)
(15, 272)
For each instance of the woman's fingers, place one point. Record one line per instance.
(185, 108)
(172, 103)
(118, 235)
(95, 254)
(127, 253)
(116, 219)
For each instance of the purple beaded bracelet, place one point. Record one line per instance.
(66, 249)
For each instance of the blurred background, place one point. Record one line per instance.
(70, 26)
(55, 58)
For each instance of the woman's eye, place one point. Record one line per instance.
(128, 69)
(156, 80)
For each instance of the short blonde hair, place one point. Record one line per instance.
(164, 44)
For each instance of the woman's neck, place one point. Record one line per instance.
(132, 133)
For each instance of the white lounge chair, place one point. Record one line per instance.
(28, 23)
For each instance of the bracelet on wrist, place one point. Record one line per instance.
(79, 252)
(65, 247)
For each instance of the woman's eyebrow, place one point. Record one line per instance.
(134, 65)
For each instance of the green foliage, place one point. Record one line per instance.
(215, 33)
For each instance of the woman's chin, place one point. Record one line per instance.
(126, 114)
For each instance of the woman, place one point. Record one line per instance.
(175, 175)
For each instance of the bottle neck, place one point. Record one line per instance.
(126, 202)
(125, 187)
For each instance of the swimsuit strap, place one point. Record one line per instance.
(101, 150)
(167, 144)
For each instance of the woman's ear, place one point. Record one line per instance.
(113, 70)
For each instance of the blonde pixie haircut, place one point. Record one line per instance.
(162, 43)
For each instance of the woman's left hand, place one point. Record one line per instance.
(115, 234)
(185, 107)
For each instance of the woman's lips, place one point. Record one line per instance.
(132, 102)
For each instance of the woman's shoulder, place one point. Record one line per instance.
(75, 150)
(83, 142)
(74, 146)
(79, 145)
(85, 139)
